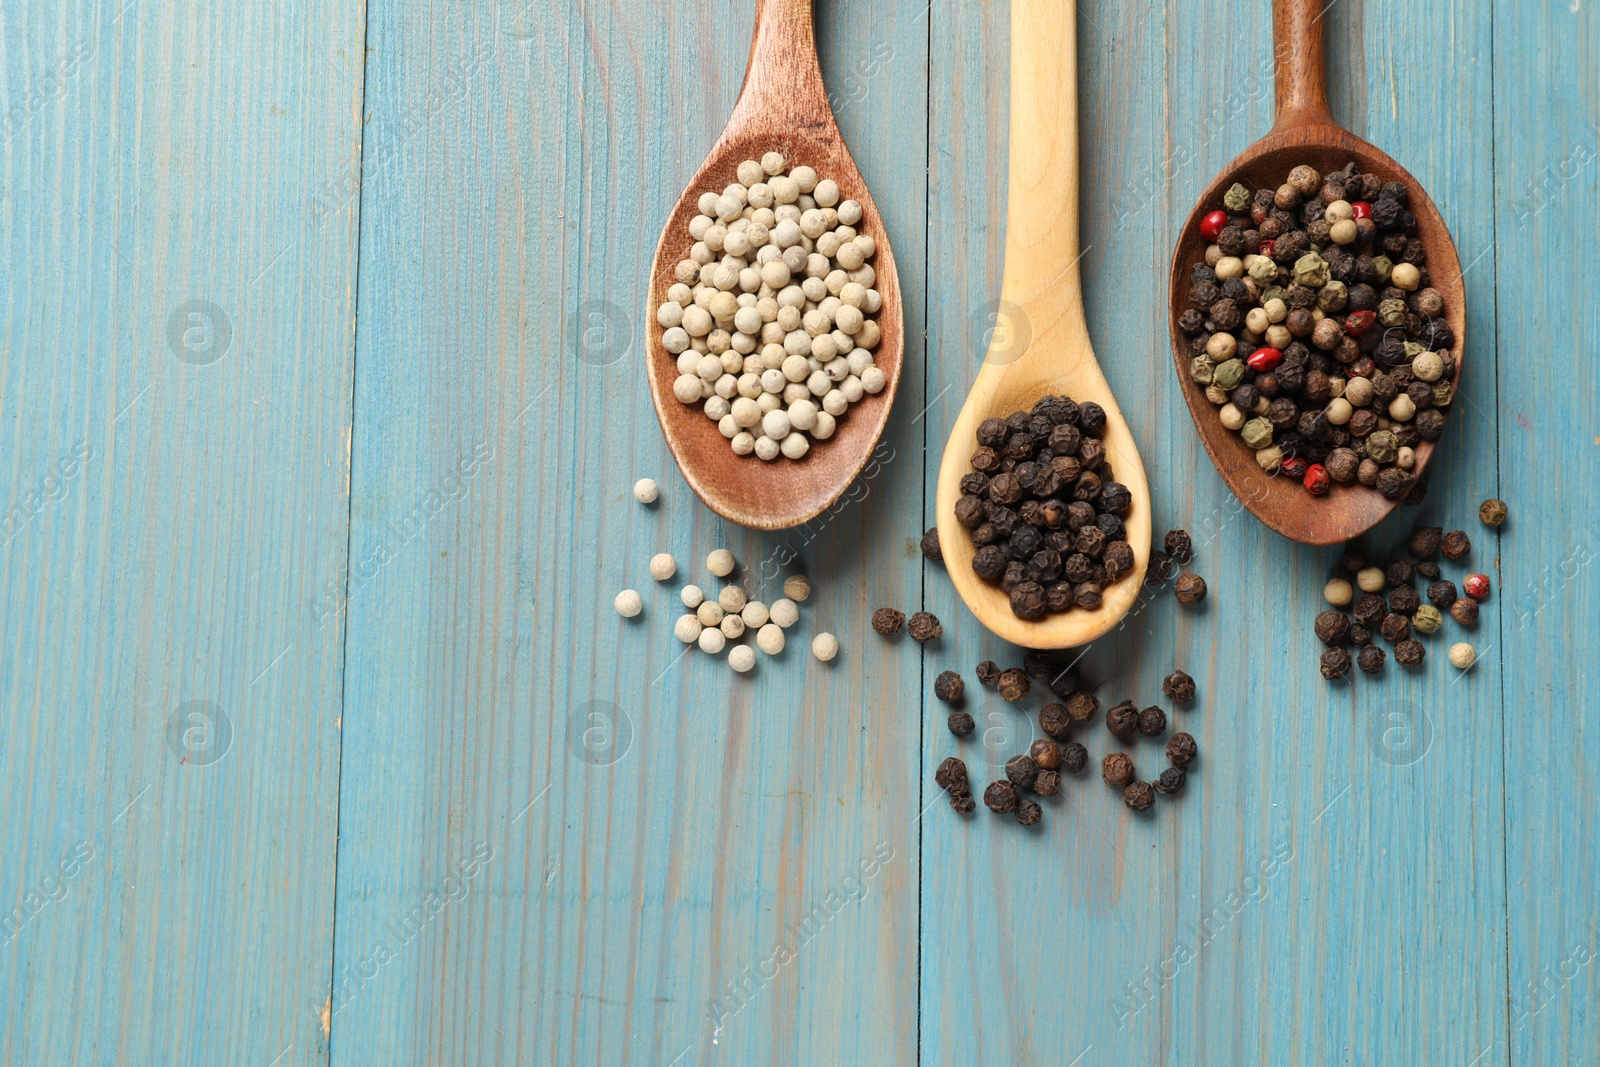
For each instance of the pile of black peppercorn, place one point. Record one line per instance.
(1043, 509)
(1314, 330)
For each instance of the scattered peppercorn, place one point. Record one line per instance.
(1476, 585)
(1123, 720)
(1462, 655)
(1395, 627)
(1427, 570)
(1074, 757)
(1028, 812)
(1171, 781)
(1000, 797)
(1190, 588)
(1492, 512)
(1159, 569)
(951, 775)
(930, 545)
(988, 672)
(1152, 722)
(1054, 722)
(1178, 687)
(1180, 547)
(1332, 627)
(887, 621)
(963, 803)
(1465, 611)
(1116, 770)
(1013, 684)
(1048, 783)
(948, 687)
(1181, 749)
(1046, 753)
(1455, 544)
(1022, 770)
(1425, 541)
(1442, 594)
(1409, 653)
(924, 627)
(960, 723)
(1081, 707)
(1370, 659)
(1403, 599)
(1139, 796)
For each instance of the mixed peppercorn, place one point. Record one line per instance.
(1044, 510)
(1314, 330)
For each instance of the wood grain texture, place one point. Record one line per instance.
(175, 371)
(675, 854)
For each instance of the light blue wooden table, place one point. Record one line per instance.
(319, 408)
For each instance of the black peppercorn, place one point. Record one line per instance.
(951, 776)
(1086, 595)
(1074, 757)
(1046, 753)
(1427, 570)
(1359, 635)
(1370, 609)
(1335, 663)
(1400, 572)
(1123, 720)
(1022, 770)
(1053, 721)
(1092, 418)
(887, 621)
(1048, 783)
(1455, 544)
(1181, 749)
(963, 803)
(1395, 627)
(1064, 682)
(924, 627)
(1190, 588)
(930, 545)
(1178, 687)
(1403, 600)
(960, 723)
(1409, 653)
(1442, 594)
(1081, 707)
(1353, 559)
(1027, 601)
(1425, 541)
(1332, 627)
(1370, 659)
(1179, 547)
(1116, 770)
(1139, 796)
(988, 672)
(1159, 568)
(1171, 781)
(1013, 684)
(948, 686)
(1464, 611)
(1000, 797)
(988, 563)
(1028, 812)
(1152, 722)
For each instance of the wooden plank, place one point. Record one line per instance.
(175, 377)
(642, 831)
(1547, 174)
(1298, 902)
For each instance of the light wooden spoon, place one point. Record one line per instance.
(1045, 345)
(1305, 133)
(782, 107)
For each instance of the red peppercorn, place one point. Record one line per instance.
(1316, 479)
(1267, 246)
(1361, 209)
(1264, 359)
(1213, 224)
(1294, 467)
(1359, 322)
(1477, 586)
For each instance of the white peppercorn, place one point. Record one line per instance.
(1370, 579)
(732, 599)
(1338, 593)
(1462, 655)
(709, 613)
(628, 603)
(754, 615)
(732, 627)
(770, 639)
(825, 646)
(797, 587)
(645, 491)
(691, 595)
(784, 613)
(687, 629)
(741, 658)
(663, 566)
(712, 640)
(720, 562)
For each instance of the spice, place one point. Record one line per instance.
(691, 596)
(1179, 546)
(948, 687)
(742, 658)
(1022, 770)
(796, 587)
(1048, 783)
(1081, 707)
(1370, 659)
(1028, 812)
(1053, 721)
(663, 566)
(1395, 627)
(1369, 610)
(628, 603)
(963, 803)
(784, 612)
(887, 621)
(825, 646)
(1463, 655)
(1123, 720)
(712, 640)
(1465, 611)
(687, 629)
(709, 613)
(1139, 796)
(1455, 544)
(1442, 594)
(1190, 588)
(1012, 684)
(720, 562)
(1332, 627)
(645, 491)
(960, 723)
(1338, 592)
(1074, 757)
(1116, 770)
(951, 776)
(1492, 512)
(770, 639)
(1403, 599)
(1425, 541)
(988, 672)
(1409, 653)
(1335, 663)
(1370, 579)
(924, 627)
(1181, 749)
(1476, 585)
(1152, 722)
(1400, 572)
(930, 545)
(1178, 687)
(1171, 781)
(1000, 797)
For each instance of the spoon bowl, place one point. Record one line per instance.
(1041, 342)
(1305, 132)
(783, 107)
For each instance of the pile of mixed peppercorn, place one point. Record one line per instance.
(1314, 330)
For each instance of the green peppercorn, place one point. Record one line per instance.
(1392, 313)
(1228, 374)
(1427, 619)
(1382, 267)
(1237, 199)
(1257, 433)
(1492, 512)
(1382, 447)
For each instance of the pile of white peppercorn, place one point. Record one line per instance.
(770, 316)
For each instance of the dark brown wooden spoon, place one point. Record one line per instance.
(782, 107)
(1305, 132)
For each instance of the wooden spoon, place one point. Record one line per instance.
(1045, 347)
(1305, 133)
(782, 107)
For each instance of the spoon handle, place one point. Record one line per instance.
(1302, 87)
(783, 80)
(1041, 273)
